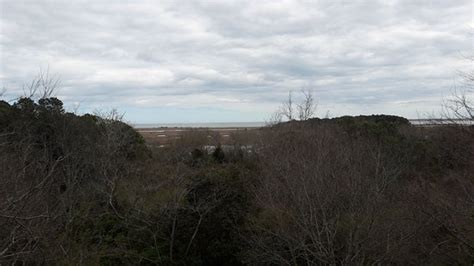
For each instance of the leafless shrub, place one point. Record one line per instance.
(245, 137)
(325, 199)
(275, 118)
(30, 201)
(444, 198)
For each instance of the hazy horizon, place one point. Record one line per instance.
(235, 61)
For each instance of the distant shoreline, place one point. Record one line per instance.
(222, 125)
(243, 125)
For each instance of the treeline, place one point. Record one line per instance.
(351, 190)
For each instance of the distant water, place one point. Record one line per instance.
(416, 122)
(427, 122)
(197, 125)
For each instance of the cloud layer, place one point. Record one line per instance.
(197, 61)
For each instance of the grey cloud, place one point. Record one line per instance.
(240, 53)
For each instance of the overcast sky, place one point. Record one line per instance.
(214, 61)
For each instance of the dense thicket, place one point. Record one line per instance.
(351, 190)
(363, 190)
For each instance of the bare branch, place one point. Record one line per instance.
(459, 107)
(112, 115)
(42, 86)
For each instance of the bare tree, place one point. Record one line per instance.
(287, 107)
(307, 107)
(42, 86)
(275, 118)
(460, 105)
